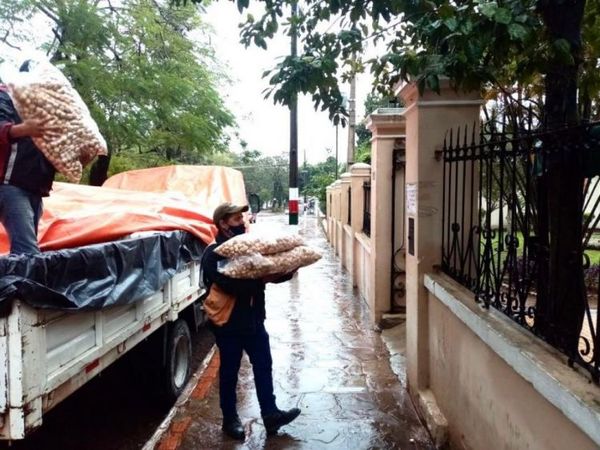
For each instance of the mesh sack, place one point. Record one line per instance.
(249, 243)
(293, 259)
(72, 139)
(247, 266)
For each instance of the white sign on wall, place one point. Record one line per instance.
(411, 198)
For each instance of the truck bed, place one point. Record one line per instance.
(45, 355)
(48, 353)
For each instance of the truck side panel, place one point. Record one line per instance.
(67, 338)
(14, 426)
(46, 355)
(3, 365)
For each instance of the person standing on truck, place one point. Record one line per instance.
(244, 331)
(25, 176)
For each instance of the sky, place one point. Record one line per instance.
(264, 126)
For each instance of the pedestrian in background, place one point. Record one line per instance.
(244, 331)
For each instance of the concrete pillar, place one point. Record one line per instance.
(328, 210)
(345, 229)
(428, 117)
(386, 128)
(344, 188)
(336, 216)
(336, 199)
(359, 173)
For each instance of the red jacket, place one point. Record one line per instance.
(22, 164)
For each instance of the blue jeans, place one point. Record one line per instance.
(258, 350)
(20, 212)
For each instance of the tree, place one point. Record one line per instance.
(561, 288)
(266, 176)
(589, 84)
(372, 102)
(147, 84)
(475, 44)
(318, 177)
(470, 43)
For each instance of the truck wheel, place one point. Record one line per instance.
(179, 359)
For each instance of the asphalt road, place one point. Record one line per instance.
(117, 410)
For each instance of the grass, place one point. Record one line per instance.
(594, 255)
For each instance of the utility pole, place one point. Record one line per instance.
(336, 151)
(351, 121)
(293, 194)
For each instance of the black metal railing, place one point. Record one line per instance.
(520, 210)
(366, 228)
(349, 221)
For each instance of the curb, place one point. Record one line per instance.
(167, 424)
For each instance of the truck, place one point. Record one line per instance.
(47, 354)
(68, 314)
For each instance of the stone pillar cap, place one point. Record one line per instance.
(345, 175)
(392, 118)
(410, 94)
(356, 168)
(389, 111)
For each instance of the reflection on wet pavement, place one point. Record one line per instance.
(328, 361)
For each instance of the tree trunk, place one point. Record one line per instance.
(561, 307)
(585, 106)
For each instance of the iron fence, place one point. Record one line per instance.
(349, 219)
(366, 228)
(520, 206)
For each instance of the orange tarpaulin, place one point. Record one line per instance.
(76, 215)
(207, 185)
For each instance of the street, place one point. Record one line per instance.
(328, 360)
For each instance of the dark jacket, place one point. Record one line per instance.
(249, 310)
(22, 164)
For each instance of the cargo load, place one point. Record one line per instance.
(71, 138)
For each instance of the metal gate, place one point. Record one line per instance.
(398, 266)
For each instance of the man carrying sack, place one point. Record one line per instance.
(236, 309)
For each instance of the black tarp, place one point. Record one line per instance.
(97, 276)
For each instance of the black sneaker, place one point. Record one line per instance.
(233, 428)
(279, 418)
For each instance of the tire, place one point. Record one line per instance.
(178, 359)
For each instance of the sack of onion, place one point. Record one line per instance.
(256, 266)
(71, 138)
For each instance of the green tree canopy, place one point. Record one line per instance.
(476, 44)
(151, 88)
(318, 177)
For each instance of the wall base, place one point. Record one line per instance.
(434, 418)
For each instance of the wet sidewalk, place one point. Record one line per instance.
(327, 360)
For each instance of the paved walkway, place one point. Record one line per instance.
(328, 361)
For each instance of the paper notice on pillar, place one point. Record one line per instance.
(411, 198)
(421, 209)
